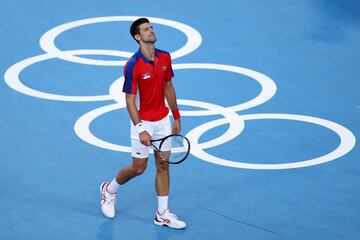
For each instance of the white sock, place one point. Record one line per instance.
(162, 204)
(113, 186)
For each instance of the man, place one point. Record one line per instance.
(148, 75)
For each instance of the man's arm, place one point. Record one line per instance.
(170, 96)
(135, 118)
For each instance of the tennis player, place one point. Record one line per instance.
(148, 75)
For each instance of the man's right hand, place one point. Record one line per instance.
(145, 138)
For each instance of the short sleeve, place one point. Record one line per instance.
(130, 83)
(170, 72)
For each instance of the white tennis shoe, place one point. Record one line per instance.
(108, 201)
(169, 219)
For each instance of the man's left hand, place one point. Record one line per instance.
(176, 128)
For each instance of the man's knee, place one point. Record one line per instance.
(162, 166)
(139, 170)
(139, 166)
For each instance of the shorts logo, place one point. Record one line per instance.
(164, 68)
(146, 75)
(138, 153)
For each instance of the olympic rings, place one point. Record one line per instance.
(267, 84)
(82, 125)
(13, 80)
(347, 142)
(230, 116)
(268, 87)
(47, 41)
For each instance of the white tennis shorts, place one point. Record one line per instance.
(157, 130)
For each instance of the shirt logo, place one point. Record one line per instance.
(146, 75)
(164, 68)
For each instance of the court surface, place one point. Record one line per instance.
(268, 91)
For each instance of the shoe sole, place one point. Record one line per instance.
(165, 225)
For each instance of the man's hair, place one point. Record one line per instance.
(135, 26)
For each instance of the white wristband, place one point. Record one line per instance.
(140, 128)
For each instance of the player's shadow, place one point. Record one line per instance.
(162, 232)
(80, 206)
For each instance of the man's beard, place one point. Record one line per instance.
(150, 41)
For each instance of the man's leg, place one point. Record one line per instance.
(108, 189)
(163, 216)
(137, 167)
(162, 180)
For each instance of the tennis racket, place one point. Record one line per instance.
(173, 149)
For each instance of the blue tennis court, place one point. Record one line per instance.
(269, 98)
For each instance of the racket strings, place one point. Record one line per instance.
(174, 149)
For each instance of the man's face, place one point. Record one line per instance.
(147, 35)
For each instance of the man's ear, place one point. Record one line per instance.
(137, 37)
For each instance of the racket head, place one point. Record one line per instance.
(174, 148)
